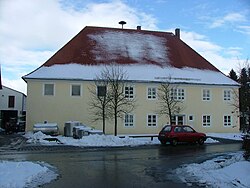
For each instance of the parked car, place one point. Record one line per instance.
(180, 133)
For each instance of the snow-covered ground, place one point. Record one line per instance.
(99, 140)
(230, 170)
(25, 174)
(227, 171)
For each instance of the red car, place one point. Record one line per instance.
(180, 133)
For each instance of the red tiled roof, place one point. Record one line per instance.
(98, 45)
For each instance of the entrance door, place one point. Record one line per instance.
(178, 120)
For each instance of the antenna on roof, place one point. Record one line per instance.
(122, 23)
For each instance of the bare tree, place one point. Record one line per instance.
(115, 103)
(169, 102)
(99, 101)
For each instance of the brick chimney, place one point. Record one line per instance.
(138, 27)
(177, 32)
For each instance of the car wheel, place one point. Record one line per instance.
(174, 142)
(201, 141)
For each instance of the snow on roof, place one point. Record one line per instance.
(136, 46)
(140, 73)
(146, 56)
(104, 46)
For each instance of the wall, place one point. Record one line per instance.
(62, 107)
(20, 99)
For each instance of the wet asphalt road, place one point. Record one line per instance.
(148, 166)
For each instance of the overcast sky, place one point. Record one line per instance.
(31, 31)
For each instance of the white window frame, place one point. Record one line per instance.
(152, 123)
(227, 95)
(127, 120)
(129, 95)
(228, 121)
(151, 95)
(206, 94)
(191, 115)
(207, 124)
(44, 89)
(71, 90)
(177, 94)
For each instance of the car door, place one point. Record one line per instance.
(189, 134)
(179, 134)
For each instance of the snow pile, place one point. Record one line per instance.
(210, 141)
(25, 174)
(38, 137)
(227, 171)
(231, 136)
(94, 140)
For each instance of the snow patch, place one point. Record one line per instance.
(138, 47)
(25, 174)
(226, 171)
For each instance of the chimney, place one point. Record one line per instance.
(138, 27)
(177, 32)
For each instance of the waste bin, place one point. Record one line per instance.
(68, 127)
(80, 131)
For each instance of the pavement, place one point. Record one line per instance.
(11, 141)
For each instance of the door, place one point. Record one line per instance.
(178, 120)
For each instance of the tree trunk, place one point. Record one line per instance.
(115, 124)
(103, 121)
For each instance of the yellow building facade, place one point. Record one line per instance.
(214, 112)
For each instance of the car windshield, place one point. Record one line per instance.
(167, 129)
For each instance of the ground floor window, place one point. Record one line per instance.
(206, 120)
(227, 121)
(152, 120)
(129, 120)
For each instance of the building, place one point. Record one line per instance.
(58, 91)
(12, 106)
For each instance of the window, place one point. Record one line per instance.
(152, 120)
(191, 118)
(129, 120)
(151, 93)
(206, 120)
(49, 89)
(227, 121)
(188, 129)
(227, 95)
(75, 90)
(101, 91)
(129, 92)
(177, 94)
(206, 95)
(11, 103)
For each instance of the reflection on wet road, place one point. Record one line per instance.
(149, 166)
